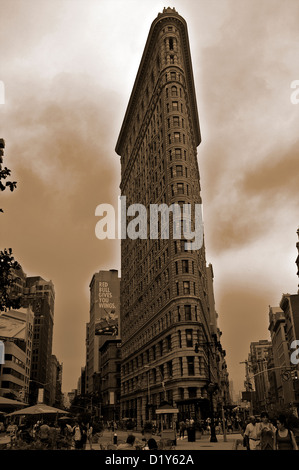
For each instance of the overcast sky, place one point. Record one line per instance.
(68, 67)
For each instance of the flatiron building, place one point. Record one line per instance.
(165, 303)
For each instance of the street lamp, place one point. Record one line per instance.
(210, 387)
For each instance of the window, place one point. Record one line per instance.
(176, 121)
(168, 341)
(169, 368)
(181, 366)
(185, 266)
(181, 393)
(174, 91)
(179, 315)
(161, 347)
(186, 287)
(188, 312)
(179, 170)
(173, 75)
(192, 392)
(171, 59)
(171, 44)
(175, 106)
(177, 137)
(178, 153)
(180, 188)
(190, 362)
(189, 338)
(180, 338)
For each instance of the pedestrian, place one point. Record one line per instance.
(89, 433)
(284, 438)
(77, 433)
(152, 444)
(44, 434)
(182, 427)
(12, 430)
(252, 433)
(267, 432)
(83, 436)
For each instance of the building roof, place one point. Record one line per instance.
(12, 327)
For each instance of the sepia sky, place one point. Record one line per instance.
(68, 67)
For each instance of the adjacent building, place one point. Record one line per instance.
(56, 398)
(169, 334)
(258, 359)
(104, 312)
(16, 332)
(40, 295)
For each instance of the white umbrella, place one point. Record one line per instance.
(38, 410)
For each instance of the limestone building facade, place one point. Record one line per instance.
(165, 305)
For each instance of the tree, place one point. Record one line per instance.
(7, 279)
(5, 172)
(7, 261)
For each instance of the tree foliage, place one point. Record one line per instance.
(7, 261)
(7, 279)
(5, 172)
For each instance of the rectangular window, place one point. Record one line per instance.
(190, 362)
(192, 392)
(176, 121)
(189, 338)
(180, 188)
(175, 105)
(188, 312)
(169, 368)
(178, 153)
(177, 137)
(181, 366)
(179, 170)
(185, 266)
(180, 338)
(168, 340)
(186, 287)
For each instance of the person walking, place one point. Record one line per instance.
(284, 438)
(182, 427)
(89, 433)
(267, 432)
(252, 433)
(77, 433)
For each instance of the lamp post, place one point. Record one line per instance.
(210, 387)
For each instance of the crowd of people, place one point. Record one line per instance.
(49, 435)
(259, 433)
(266, 435)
